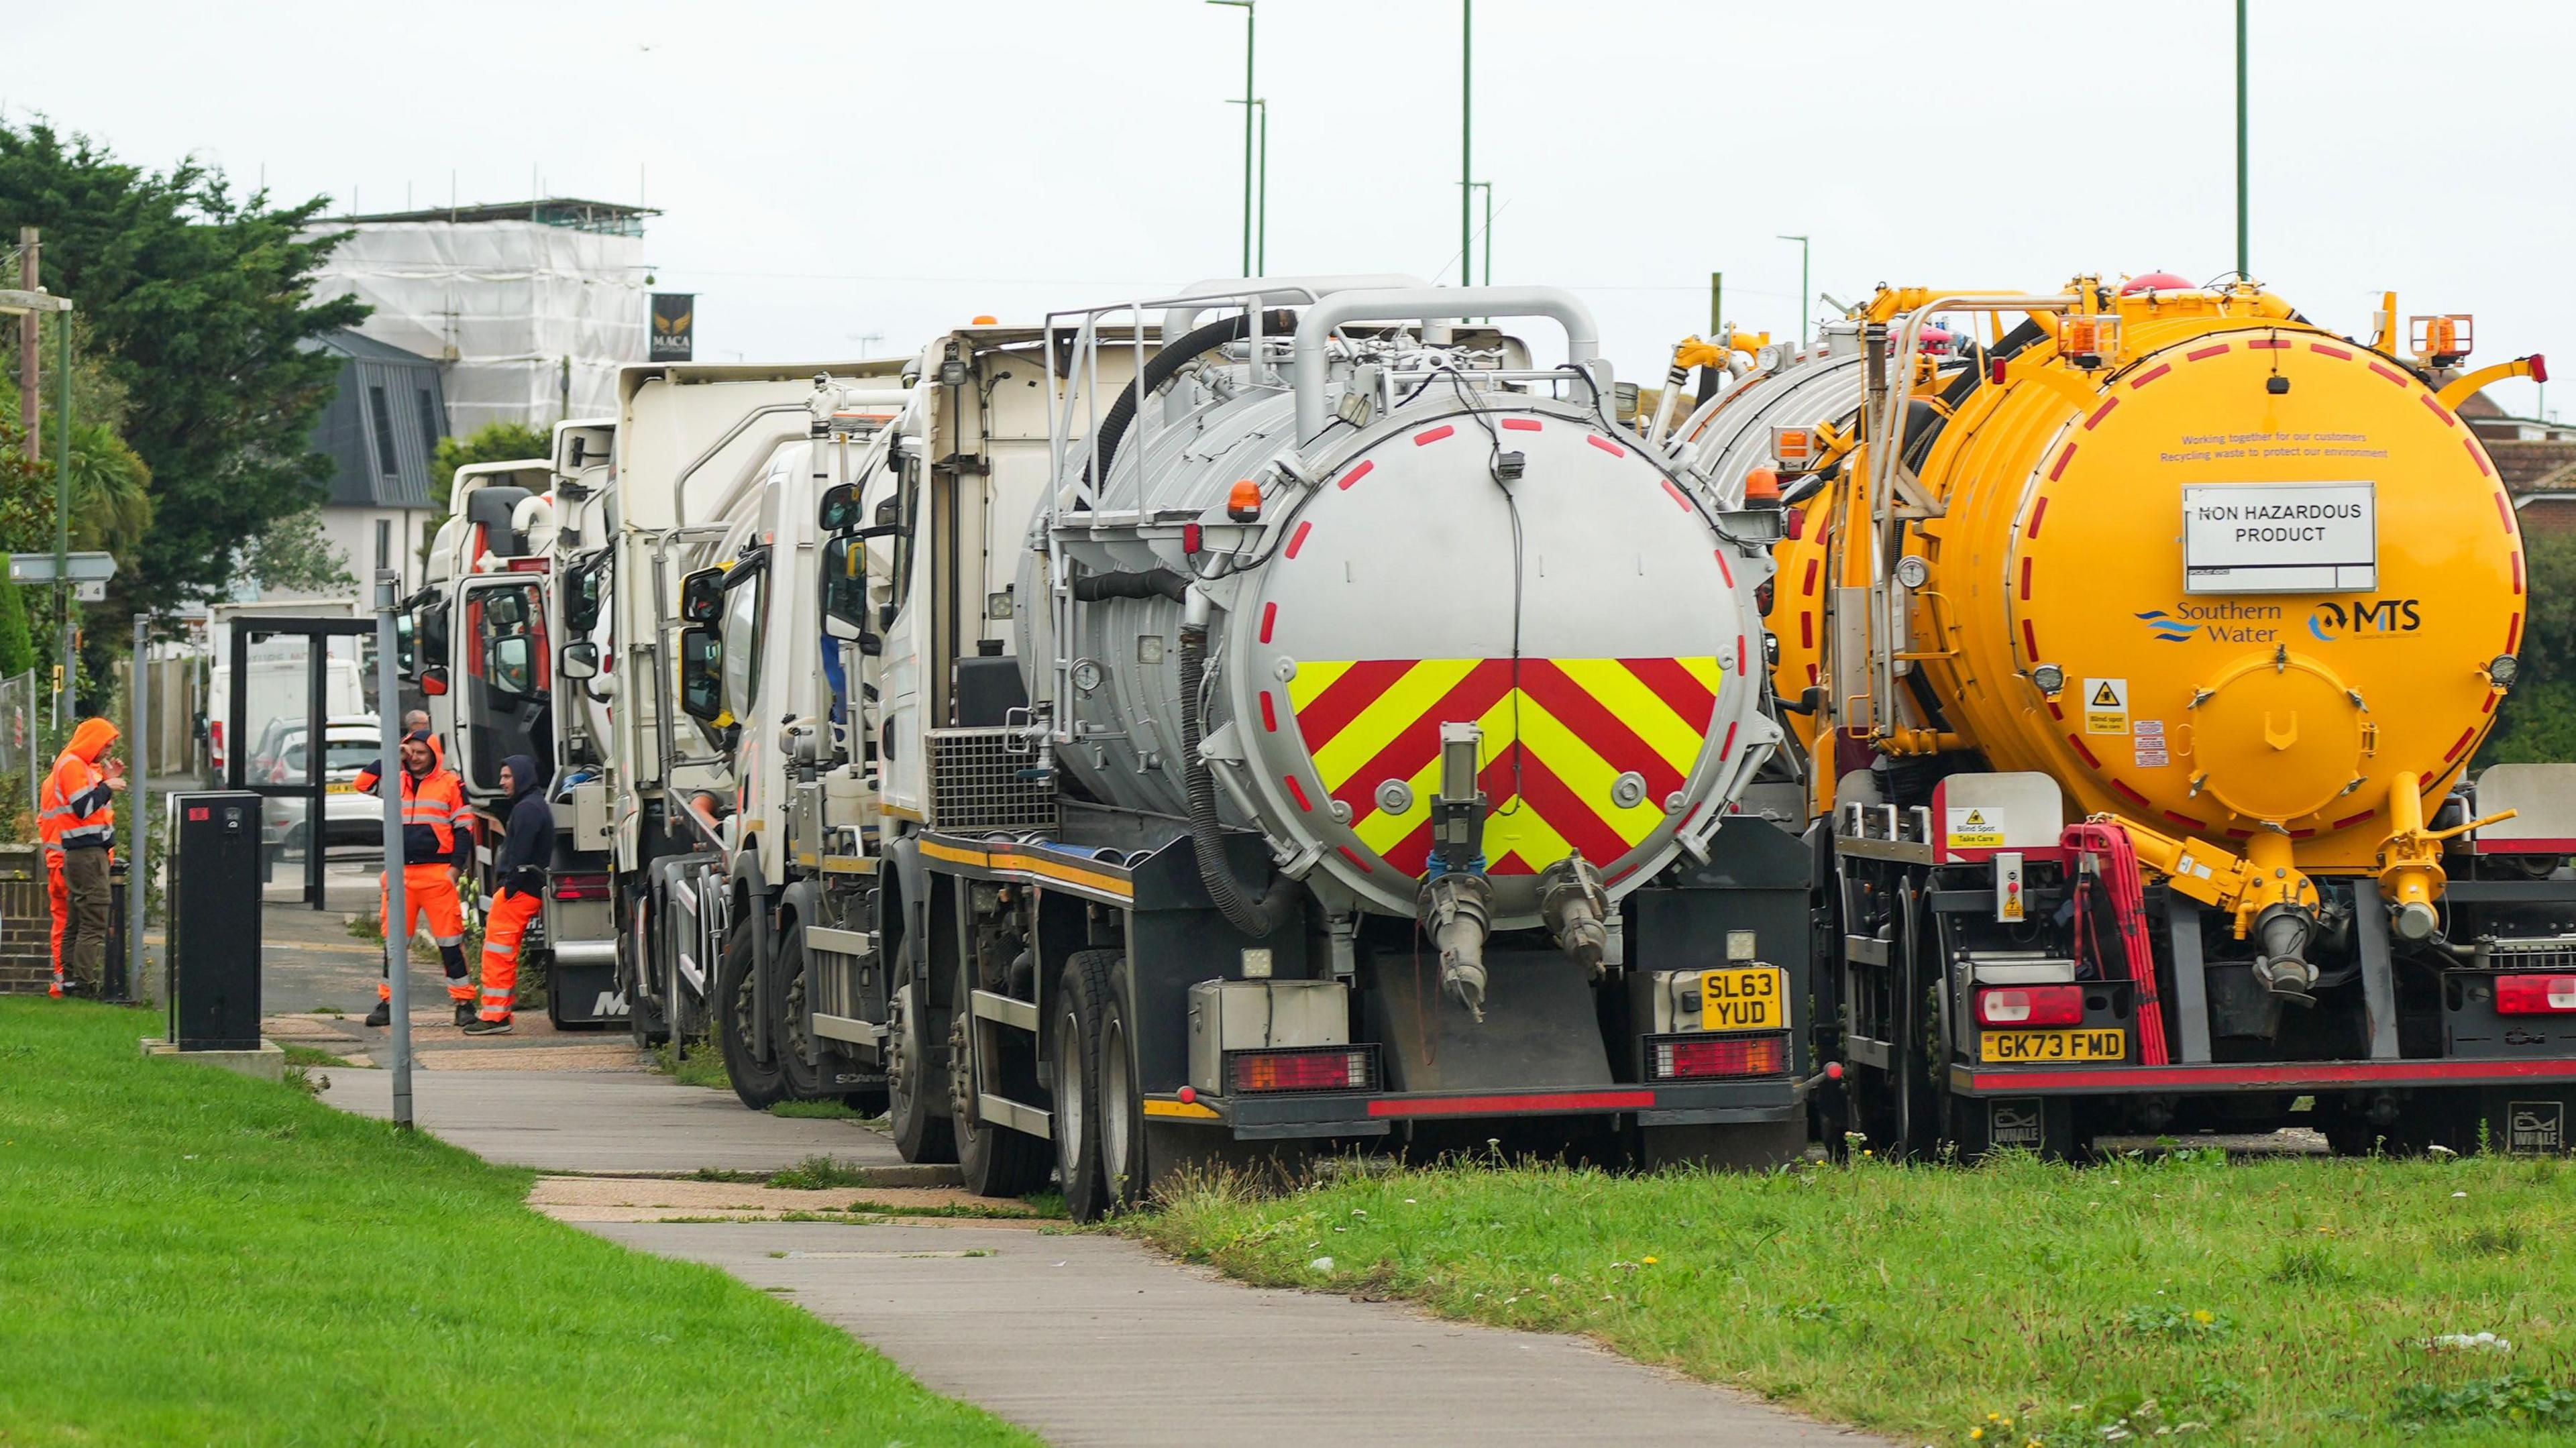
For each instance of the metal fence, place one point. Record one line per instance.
(23, 702)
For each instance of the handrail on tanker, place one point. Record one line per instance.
(1582, 333)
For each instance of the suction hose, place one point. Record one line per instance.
(1167, 363)
(1274, 908)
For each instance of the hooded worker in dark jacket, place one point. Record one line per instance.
(527, 849)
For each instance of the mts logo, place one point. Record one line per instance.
(2366, 618)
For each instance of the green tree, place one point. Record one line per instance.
(194, 299)
(493, 442)
(17, 642)
(2537, 721)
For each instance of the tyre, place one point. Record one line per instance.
(1074, 1076)
(992, 1159)
(919, 1135)
(645, 1023)
(759, 1086)
(800, 1065)
(1125, 1155)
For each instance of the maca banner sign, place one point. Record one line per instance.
(675, 316)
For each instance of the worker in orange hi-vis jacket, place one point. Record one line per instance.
(526, 849)
(438, 846)
(77, 815)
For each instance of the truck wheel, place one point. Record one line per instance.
(760, 1087)
(918, 1135)
(644, 1019)
(992, 1159)
(1075, 1080)
(799, 1064)
(1124, 1147)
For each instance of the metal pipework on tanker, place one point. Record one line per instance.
(2243, 593)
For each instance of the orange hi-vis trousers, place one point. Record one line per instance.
(60, 896)
(428, 891)
(502, 927)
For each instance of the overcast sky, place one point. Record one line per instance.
(846, 179)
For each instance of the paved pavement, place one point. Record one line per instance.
(615, 1122)
(1091, 1339)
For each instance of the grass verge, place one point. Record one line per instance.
(703, 1066)
(308, 1055)
(2019, 1302)
(191, 1255)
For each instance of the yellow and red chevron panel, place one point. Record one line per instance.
(1558, 733)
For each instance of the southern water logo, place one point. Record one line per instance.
(2167, 628)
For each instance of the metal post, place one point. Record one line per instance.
(2241, 261)
(1488, 188)
(1247, 103)
(1802, 289)
(397, 913)
(1466, 140)
(63, 510)
(1716, 304)
(138, 749)
(1261, 233)
(30, 349)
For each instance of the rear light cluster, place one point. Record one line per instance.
(2031, 1005)
(581, 887)
(1302, 1068)
(1689, 1058)
(2534, 995)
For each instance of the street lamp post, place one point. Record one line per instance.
(1802, 289)
(1260, 265)
(1248, 102)
(2241, 259)
(1466, 138)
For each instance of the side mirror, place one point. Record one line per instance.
(702, 675)
(840, 508)
(433, 680)
(582, 599)
(506, 608)
(510, 666)
(580, 660)
(406, 652)
(845, 588)
(702, 596)
(429, 630)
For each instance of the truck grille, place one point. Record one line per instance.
(978, 782)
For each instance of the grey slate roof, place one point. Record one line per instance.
(383, 424)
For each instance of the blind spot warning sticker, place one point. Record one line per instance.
(1973, 827)
(2106, 706)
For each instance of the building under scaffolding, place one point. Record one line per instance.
(530, 307)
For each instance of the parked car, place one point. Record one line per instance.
(348, 817)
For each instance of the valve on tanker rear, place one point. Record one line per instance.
(1457, 903)
(2283, 932)
(1576, 906)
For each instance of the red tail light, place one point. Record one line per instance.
(1334, 1068)
(1686, 1058)
(2031, 1005)
(2534, 995)
(580, 887)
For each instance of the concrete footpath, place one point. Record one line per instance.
(1086, 1338)
(1092, 1339)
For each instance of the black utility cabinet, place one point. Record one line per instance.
(213, 984)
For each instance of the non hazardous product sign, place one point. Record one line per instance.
(2280, 538)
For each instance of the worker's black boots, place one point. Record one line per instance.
(500, 1027)
(465, 1013)
(382, 1015)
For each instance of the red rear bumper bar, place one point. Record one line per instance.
(2293, 1076)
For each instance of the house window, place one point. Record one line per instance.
(384, 544)
(384, 417)
(430, 430)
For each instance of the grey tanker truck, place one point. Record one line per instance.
(1285, 718)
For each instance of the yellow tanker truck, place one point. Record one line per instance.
(2141, 635)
